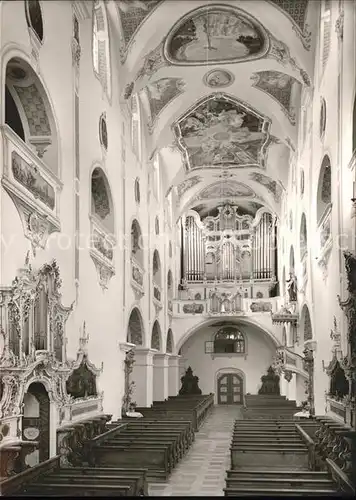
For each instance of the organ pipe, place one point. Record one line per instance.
(226, 247)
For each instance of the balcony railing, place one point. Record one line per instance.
(34, 188)
(224, 304)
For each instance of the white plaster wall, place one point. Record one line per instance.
(259, 357)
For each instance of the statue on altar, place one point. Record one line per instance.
(189, 383)
(270, 383)
(292, 287)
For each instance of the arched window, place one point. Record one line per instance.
(136, 242)
(169, 346)
(229, 340)
(136, 126)
(284, 336)
(291, 260)
(34, 17)
(101, 46)
(156, 336)
(135, 328)
(306, 323)
(28, 113)
(303, 237)
(324, 188)
(156, 266)
(101, 201)
(325, 34)
(169, 284)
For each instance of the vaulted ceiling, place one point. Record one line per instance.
(220, 86)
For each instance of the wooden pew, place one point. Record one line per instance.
(108, 473)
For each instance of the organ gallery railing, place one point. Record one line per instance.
(228, 247)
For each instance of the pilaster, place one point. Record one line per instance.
(142, 375)
(160, 376)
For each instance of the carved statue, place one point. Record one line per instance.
(189, 383)
(292, 287)
(270, 383)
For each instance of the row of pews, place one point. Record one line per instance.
(272, 456)
(121, 460)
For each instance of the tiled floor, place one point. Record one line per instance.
(202, 470)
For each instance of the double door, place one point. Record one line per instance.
(230, 389)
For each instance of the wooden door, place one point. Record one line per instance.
(230, 389)
(36, 420)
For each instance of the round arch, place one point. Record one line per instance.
(137, 242)
(135, 330)
(156, 268)
(21, 83)
(240, 321)
(101, 199)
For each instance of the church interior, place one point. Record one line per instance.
(178, 247)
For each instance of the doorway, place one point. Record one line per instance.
(36, 422)
(230, 389)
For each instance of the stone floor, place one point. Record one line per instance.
(202, 470)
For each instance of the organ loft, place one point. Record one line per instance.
(177, 248)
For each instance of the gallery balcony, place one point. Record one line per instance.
(33, 187)
(224, 303)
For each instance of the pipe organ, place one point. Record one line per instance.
(228, 247)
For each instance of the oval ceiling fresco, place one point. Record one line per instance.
(215, 34)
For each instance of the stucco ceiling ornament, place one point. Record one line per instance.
(281, 53)
(159, 94)
(132, 14)
(218, 78)
(280, 87)
(296, 11)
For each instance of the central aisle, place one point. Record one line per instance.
(202, 470)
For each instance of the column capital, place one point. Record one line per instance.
(161, 355)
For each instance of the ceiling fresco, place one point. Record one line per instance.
(162, 92)
(221, 131)
(214, 34)
(280, 87)
(272, 186)
(132, 15)
(183, 187)
(218, 78)
(229, 189)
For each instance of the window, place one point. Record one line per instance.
(229, 340)
(103, 131)
(34, 17)
(324, 188)
(135, 126)
(157, 226)
(101, 47)
(303, 237)
(137, 191)
(325, 34)
(322, 124)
